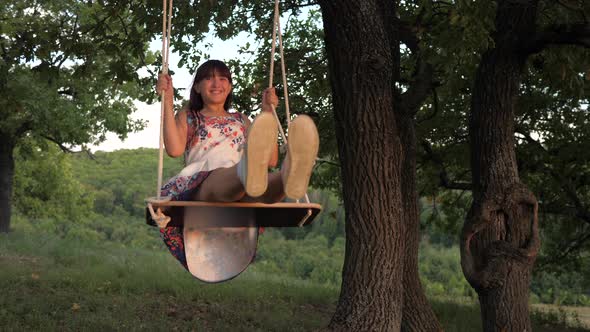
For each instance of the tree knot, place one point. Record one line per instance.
(499, 255)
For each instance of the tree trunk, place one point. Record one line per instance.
(500, 237)
(360, 66)
(417, 313)
(6, 177)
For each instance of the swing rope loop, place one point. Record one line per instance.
(166, 34)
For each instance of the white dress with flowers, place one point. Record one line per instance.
(212, 143)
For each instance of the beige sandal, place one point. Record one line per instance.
(302, 151)
(261, 139)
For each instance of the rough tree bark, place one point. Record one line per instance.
(360, 67)
(380, 290)
(500, 238)
(6, 177)
(417, 313)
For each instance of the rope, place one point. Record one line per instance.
(273, 44)
(277, 29)
(284, 74)
(272, 67)
(166, 29)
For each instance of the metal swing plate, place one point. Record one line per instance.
(214, 253)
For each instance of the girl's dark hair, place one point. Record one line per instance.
(206, 70)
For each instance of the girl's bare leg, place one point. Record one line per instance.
(274, 191)
(224, 185)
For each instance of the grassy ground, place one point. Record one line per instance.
(49, 284)
(566, 315)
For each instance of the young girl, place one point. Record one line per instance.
(226, 156)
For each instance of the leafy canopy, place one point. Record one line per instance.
(70, 70)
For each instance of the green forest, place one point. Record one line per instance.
(101, 198)
(93, 201)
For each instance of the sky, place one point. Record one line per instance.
(150, 136)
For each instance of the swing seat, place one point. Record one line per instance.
(265, 215)
(220, 239)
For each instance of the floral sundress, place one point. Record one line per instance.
(212, 142)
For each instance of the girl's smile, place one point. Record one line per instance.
(214, 90)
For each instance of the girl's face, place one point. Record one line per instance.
(214, 89)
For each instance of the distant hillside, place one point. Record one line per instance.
(122, 178)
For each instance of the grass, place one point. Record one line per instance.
(575, 317)
(52, 284)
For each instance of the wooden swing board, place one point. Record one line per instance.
(220, 239)
(265, 215)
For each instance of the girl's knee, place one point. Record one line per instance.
(274, 198)
(234, 197)
(225, 196)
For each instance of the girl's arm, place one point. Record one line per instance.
(175, 128)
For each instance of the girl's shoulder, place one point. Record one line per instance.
(244, 119)
(240, 116)
(190, 116)
(182, 116)
(184, 112)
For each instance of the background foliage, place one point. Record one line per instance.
(100, 198)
